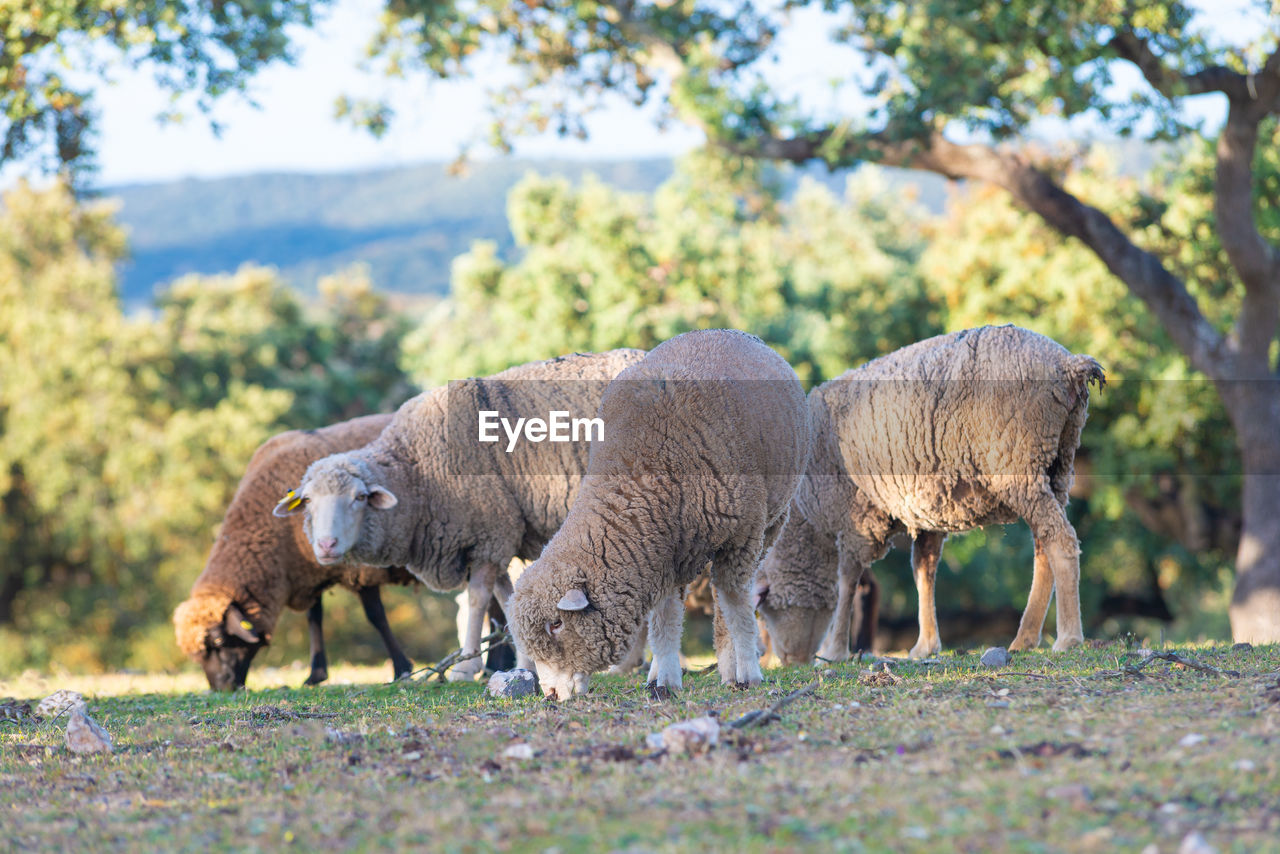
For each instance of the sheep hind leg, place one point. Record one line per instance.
(371, 601)
(732, 582)
(1052, 531)
(315, 631)
(1029, 629)
(925, 551)
(666, 624)
(479, 592)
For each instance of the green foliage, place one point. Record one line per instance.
(51, 48)
(122, 438)
(828, 282)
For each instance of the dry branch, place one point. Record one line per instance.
(760, 717)
(456, 657)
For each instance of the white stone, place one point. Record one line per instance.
(59, 702)
(513, 683)
(518, 751)
(996, 656)
(85, 736)
(693, 736)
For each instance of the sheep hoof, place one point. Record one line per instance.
(1021, 644)
(660, 692)
(316, 677)
(1063, 644)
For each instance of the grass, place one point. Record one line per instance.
(1058, 752)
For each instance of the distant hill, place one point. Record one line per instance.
(407, 224)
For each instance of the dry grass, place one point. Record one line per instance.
(1065, 752)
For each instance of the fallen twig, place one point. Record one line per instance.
(1187, 661)
(760, 717)
(456, 657)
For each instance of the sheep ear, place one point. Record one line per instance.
(236, 624)
(290, 505)
(381, 498)
(761, 592)
(574, 600)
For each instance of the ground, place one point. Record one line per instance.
(1079, 751)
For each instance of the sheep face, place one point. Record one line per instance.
(336, 498)
(795, 631)
(229, 650)
(567, 635)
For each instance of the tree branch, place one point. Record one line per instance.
(1254, 259)
(1129, 46)
(1147, 278)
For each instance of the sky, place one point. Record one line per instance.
(293, 127)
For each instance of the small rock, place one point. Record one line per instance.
(997, 730)
(337, 736)
(411, 756)
(1191, 739)
(513, 683)
(518, 751)
(996, 656)
(84, 735)
(58, 703)
(997, 704)
(1194, 843)
(692, 737)
(653, 741)
(1244, 765)
(1170, 808)
(1241, 647)
(1076, 793)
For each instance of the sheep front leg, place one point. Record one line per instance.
(925, 551)
(503, 589)
(315, 630)
(835, 644)
(479, 592)
(666, 624)
(1032, 624)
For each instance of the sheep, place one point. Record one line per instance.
(705, 442)
(977, 427)
(429, 495)
(804, 601)
(260, 565)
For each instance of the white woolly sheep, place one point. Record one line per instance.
(705, 441)
(978, 427)
(260, 565)
(426, 494)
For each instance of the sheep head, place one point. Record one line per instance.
(219, 634)
(795, 631)
(569, 630)
(336, 495)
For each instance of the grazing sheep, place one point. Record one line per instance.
(705, 441)
(428, 495)
(804, 601)
(260, 565)
(974, 428)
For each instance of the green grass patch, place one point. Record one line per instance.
(1060, 751)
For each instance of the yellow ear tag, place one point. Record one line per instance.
(246, 625)
(292, 500)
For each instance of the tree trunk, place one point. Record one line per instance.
(1254, 407)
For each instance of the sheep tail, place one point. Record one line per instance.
(1086, 370)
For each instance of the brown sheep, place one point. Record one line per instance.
(259, 565)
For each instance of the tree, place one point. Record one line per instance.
(123, 438)
(828, 282)
(954, 88)
(52, 49)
